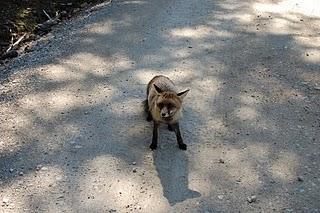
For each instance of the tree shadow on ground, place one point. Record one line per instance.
(78, 115)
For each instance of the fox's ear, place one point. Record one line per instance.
(183, 94)
(157, 89)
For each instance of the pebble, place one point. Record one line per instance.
(220, 197)
(252, 199)
(134, 163)
(5, 200)
(21, 173)
(300, 179)
(44, 168)
(11, 170)
(221, 160)
(134, 170)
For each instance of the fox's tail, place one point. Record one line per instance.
(146, 110)
(145, 107)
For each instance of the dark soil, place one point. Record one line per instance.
(18, 17)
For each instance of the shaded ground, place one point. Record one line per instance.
(73, 137)
(18, 17)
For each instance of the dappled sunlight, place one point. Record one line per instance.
(285, 166)
(246, 113)
(102, 28)
(258, 150)
(199, 32)
(303, 7)
(242, 169)
(48, 104)
(87, 63)
(61, 73)
(42, 186)
(217, 125)
(112, 184)
(125, 107)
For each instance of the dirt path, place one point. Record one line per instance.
(73, 137)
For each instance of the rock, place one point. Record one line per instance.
(11, 170)
(44, 168)
(252, 199)
(63, 14)
(300, 179)
(5, 200)
(45, 27)
(134, 170)
(77, 147)
(76, 10)
(220, 197)
(221, 160)
(21, 173)
(134, 163)
(84, 4)
(317, 87)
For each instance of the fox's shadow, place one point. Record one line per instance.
(172, 166)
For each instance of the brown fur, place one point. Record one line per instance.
(164, 105)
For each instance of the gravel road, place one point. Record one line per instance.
(73, 136)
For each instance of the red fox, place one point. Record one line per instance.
(164, 105)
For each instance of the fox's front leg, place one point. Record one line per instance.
(154, 143)
(176, 128)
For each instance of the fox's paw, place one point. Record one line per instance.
(183, 146)
(153, 146)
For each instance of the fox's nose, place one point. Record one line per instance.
(163, 114)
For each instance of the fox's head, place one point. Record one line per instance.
(169, 104)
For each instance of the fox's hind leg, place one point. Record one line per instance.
(146, 110)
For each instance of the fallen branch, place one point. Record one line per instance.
(47, 15)
(16, 43)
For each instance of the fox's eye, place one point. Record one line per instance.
(160, 105)
(169, 105)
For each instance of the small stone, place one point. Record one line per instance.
(134, 163)
(77, 147)
(84, 4)
(44, 168)
(221, 160)
(307, 54)
(21, 173)
(220, 197)
(64, 13)
(252, 199)
(5, 200)
(317, 88)
(300, 179)
(11, 170)
(134, 170)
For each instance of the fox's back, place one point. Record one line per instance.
(163, 82)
